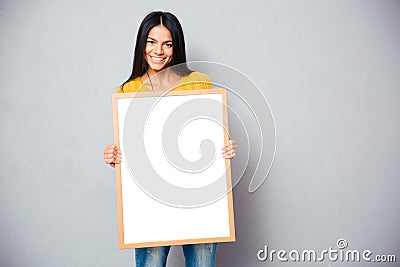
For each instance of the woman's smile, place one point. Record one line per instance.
(157, 60)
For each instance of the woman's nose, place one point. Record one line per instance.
(159, 49)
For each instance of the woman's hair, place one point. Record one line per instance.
(171, 22)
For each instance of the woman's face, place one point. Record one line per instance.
(158, 48)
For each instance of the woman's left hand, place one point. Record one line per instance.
(229, 149)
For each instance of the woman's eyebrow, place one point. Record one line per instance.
(153, 39)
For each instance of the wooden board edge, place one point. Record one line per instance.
(118, 173)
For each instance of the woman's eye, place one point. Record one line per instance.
(150, 42)
(168, 45)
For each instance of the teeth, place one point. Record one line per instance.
(157, 58)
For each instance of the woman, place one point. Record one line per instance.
(160, 44)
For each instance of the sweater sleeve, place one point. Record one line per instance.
(206, 84)
(195, 81)
(119, 89)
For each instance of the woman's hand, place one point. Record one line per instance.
(112, 155)
(229, 149)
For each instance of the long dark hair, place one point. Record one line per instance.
(171, 22)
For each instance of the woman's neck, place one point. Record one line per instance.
(160, 80)
(161, 75)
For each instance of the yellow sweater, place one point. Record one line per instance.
(193, 81)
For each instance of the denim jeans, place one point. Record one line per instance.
(196, 255)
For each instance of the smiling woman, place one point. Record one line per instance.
(159, 51)
(158, 48)
(159, 45)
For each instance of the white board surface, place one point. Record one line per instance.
(150, 218)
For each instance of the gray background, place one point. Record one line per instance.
(331, 73)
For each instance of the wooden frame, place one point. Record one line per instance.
(140, 215)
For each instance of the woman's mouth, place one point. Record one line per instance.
(157, 60)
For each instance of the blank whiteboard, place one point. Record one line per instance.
(173, 186)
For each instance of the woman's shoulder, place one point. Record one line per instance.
(197, 76)
(131, 86)
(195, 80)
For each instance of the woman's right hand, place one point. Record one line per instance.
(112, 155)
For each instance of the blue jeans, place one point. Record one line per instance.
(196, 255)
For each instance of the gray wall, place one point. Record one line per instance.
(330, 71)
